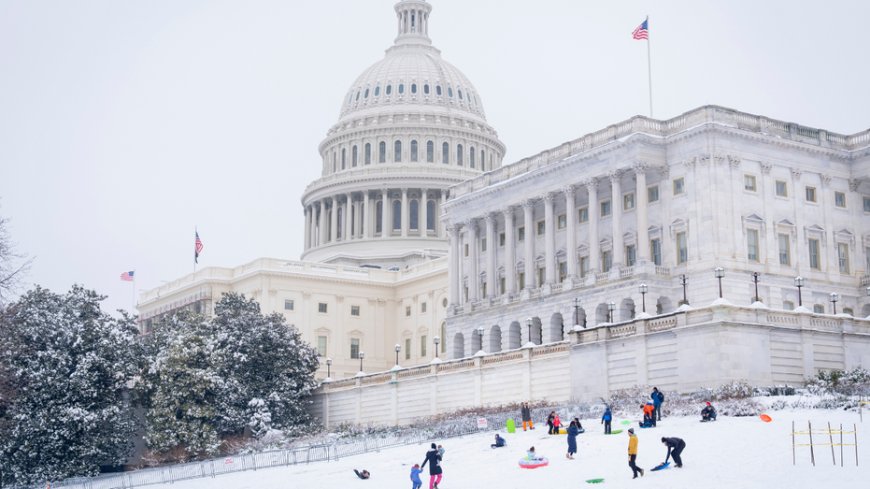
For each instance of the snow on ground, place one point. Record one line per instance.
(731, 452)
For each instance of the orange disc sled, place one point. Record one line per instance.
(765, 418)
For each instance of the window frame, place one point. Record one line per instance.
(750, 183)
(679, 186)
(323, 308)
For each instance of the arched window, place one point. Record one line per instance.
(414, 150)
(471, 157)
(445, 153)
(450, 92)
(382, 152)
(413, 88)
(339, 230)
(438, 90)
(426, 89)
(343, 158)
(401, 88)
(413, 214)
(366, 94)
(334, 162)
(397, 151)
(377, 90)
(397, 214)
(357, 95)
(459, 154)
(368, 153)
(379, 216)
(483, 161)
(459, 90)
(389, 89)
(430, 151)
(354, 156)
(430, 215)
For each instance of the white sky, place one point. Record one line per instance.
(125, 124)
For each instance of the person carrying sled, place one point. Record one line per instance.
(708, 413)
(573, 431)
(499, 442)
(632, 454)
(606, 418)
(526, 414)
(675, 448)
(434, 461)
(657, 398)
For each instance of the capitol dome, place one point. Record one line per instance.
(410, 126)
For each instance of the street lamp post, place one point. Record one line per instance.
(684, 280)
(834, 298)
(398, 349)
(755, 276)
(799, 282)
(361, 356)
(577, 312)
(437, 341)
(610, 308)
(480, 335)
(328, 368)
(719, 272)
(643, 290)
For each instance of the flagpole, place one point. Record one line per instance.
(133, 301)
(649, 68)
(195, 232)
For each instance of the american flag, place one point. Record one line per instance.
(642, 31)
(197, 248)
(127, 276)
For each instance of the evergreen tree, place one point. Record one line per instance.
(65, 368)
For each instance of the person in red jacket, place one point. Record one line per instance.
(557, 423)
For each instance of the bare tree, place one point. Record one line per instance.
(12, 265)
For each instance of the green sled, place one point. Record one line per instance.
(511, 425)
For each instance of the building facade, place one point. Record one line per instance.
(607, 228)
(371, 289)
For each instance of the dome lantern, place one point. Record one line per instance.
(413, 22)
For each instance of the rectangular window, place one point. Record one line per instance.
(583, 214)
(407, 348)
(840, 199)
(483, 244)
(752, 244)
(423, 344)
(321, 346)
(818, 309)
(655, 251)
(407, 311)
(784, 249)
(813, 248)
(354, 348)
(628, 202)
(483, 289)
(542, 227)
(843, 257)
(652, 194)
(811, 194)
(501, 285)
(584, 265)
(630, 255)
(605, 208)
(787, 306)
(679, 185)
(542, 275)
(781, 189)
(466, 249)
(423, 307)
(561, 221)
(867, 260)
(866, 204)
(501, 239)
(682, 248)
(521, 234)
(288, 304)
(606, 261)
(563, 271)
(354, 310)
(521, 280)
(321, 307)
(749, 183)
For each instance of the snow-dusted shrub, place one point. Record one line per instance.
(855, 382)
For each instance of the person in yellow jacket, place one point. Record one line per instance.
(632, 453)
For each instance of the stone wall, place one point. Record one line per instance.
(682, 352)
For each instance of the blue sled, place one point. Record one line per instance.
(661, 466)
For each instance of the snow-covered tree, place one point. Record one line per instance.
(12, 265)
(65, 368)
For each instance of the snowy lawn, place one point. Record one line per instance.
(731, 452)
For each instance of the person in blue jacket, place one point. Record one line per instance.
(573, 431)
(499, 442)
(657, 398)
(606, 419)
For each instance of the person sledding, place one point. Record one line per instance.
(649, 420)
(533, 456)
(675, 449)
(362, 474)
(499, 442)
(708, 413)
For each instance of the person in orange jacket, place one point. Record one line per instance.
(649, 416)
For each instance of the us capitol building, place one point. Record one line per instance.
(643, 252)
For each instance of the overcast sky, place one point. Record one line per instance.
(125, 124)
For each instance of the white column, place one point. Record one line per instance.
(307, 212)
(405, 222)
(491, 247)
(830, 265)
(323, 224)
(510, 262)
(549, 239)
(439, 214)
(347, 217)
(366, 216)
(386, 215)
(333, 221)
(641, 199)
(421, 212)
(594, 244)
(454, 275)
(571, 232)
(474, 255)
(528, 223)
(616, 219)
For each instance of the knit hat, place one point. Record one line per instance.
(708, 403)
(631, 430)
(434, 446)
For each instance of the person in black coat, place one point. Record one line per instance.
(675, 449)
(434, 461)
(708, 413)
